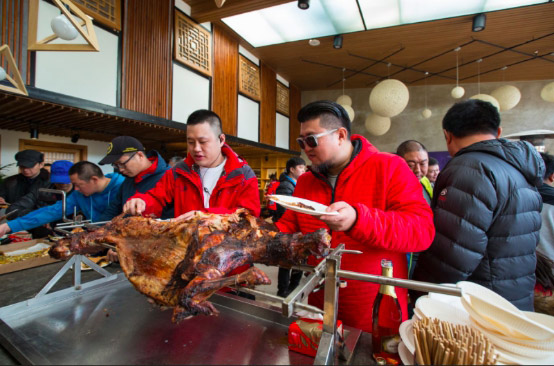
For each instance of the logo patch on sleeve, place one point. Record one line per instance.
(442, 196)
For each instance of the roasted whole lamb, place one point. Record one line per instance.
(182, 263)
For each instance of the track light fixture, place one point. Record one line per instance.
(304, 4)
(75, 137)
(337, 41)
(33, 132)
(479, 22)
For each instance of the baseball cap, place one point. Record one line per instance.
(119, 146)
(59, 171)
(29, 158)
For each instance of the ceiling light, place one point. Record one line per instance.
(479, 22)
(63, 28)
(33, 132)
(314, 42)
(337, 41)
(304, 4)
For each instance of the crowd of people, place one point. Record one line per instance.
(478, 219)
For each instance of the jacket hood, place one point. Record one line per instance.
(162, 165)
(519, 154)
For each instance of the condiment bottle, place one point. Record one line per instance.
(387, 317)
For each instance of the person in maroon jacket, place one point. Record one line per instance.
(212, 178)
(381, 209)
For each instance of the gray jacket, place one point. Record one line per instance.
(487, 218)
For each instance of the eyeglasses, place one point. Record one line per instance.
(122, 165)
(311, 140)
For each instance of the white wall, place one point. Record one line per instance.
(88, 75)
(531, 113)
(190, 93)
(10, 146)
(282, 131)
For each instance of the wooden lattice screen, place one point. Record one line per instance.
(249, 78)
(107, 12)
(193, 44)
(282, 99)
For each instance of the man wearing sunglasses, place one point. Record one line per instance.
(381, 210)
(142, 170)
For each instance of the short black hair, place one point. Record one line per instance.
(471, 117)
(85, 170)
(294, 162)
(409, 146)
(433, 161)
(331, 114)
(203, 116)
(548, 164)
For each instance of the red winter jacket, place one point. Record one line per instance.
(237, 187)
(393, 219)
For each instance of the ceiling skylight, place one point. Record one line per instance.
(287, 23)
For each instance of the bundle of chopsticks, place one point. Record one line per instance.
(441, 343)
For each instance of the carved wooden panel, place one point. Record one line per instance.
(193, 44)
(282, 99)
(107, 12)
(249, 78)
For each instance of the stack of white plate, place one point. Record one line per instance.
(519, 337)
(442, 307)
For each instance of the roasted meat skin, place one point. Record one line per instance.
(182, 263)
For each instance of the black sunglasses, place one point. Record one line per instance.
(311, 140)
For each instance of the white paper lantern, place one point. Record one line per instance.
(547, 93)
(389, 98)
(2, 73)
(63, 28)
(377, 125)
(508, 96)
(426, 113)
(344, 100)
(487, 98)
(350, 111)
(457, 92)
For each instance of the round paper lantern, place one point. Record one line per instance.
(2, 73)
(377, 125)
(547, 93)
(63, 28)
(389, 98)
(426, 113)
(457, 92)
(487, 98)
(350, 111)
(508, 96)
(344, 100)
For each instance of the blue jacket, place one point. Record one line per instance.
(129, 188)
(92, 206)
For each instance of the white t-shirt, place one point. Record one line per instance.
(209, 178)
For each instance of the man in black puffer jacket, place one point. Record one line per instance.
(486, 207)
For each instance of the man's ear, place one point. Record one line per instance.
(221, 139)
(343, 134)
(499, 132)
(447, 136)
(550, 178)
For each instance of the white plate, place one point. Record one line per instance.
(289, 201)
(406, 331)
(405, 355)
(432, 308)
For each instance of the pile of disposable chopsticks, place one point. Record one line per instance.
(442, 343)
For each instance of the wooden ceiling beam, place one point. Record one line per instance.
(207, 11)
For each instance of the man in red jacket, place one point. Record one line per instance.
(381, 209)
(212, 178)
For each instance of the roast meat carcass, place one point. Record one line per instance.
(182, 263)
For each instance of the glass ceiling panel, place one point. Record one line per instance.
(288, 23)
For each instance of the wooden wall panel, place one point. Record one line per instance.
(147, 57)
(12, 33)
(294, 125)
(225, 79)
(268, 105)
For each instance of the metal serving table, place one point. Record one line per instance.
(107, 321)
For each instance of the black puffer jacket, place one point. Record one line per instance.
(487, 218)
(286, 188)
